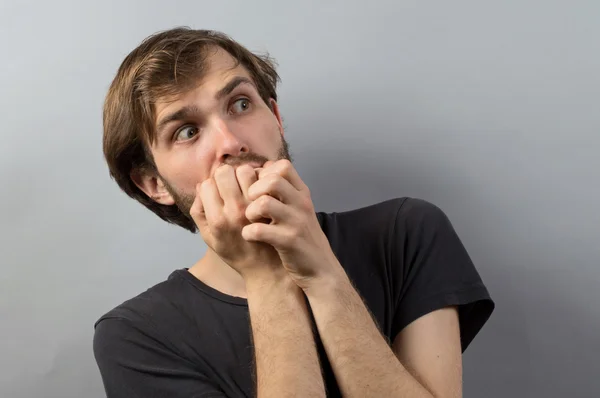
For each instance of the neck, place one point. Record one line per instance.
(216, 273)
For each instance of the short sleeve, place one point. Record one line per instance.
(432, 270)
(134, 363)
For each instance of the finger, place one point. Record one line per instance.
(197, 212)
(275, 235)
(212, 202)
(227, 184)
(276, 186)
(197, 209)
(270, 208)
(285, 169)
(246, 176)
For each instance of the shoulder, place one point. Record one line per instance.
(376, 229)
(418, 215)
(147, 313)
(146, 303)
(366, 215)
(404, 212)
(152, 317)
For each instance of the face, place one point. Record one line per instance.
(223, 120)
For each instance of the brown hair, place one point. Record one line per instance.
(164, 65)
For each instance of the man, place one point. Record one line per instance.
(376, 302)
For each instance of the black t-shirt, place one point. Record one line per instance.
(182, 338)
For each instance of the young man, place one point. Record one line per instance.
(376, 302)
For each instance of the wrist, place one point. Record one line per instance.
(267, 279)
(328, 285)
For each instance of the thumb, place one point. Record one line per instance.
(197, 209)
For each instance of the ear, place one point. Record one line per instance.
(153, 186)
(275, 108)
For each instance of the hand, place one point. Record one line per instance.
(295, 232)
(219, 212)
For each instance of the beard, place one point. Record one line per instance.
(184, 200)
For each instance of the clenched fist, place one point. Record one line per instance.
(219, 212)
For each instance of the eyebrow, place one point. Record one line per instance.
(188, 111)
(233, 83)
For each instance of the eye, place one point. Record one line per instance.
(186, 133)
(241, 105)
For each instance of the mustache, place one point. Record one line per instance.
(246, 158)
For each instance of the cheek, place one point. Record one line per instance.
(266, 136)
(187, 168)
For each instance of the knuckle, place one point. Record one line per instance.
(285, 163)
(264, 202)
(286, 166)
(245, 167)
(205, 184)
(307, 205)
(222, 170)
(260, 206)
(235, 211)
(273, 181)
(244, 170)
(240, 212)
(290, 237)
(219, 222)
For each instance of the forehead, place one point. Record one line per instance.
(220, 68)
(219, 60)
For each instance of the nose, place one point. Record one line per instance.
(227, 142)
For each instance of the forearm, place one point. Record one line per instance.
(363, 362)
(286, 357)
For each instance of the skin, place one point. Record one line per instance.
(207, 165)
(235, 179)
(240, 129)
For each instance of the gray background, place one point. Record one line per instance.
(489, 110)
